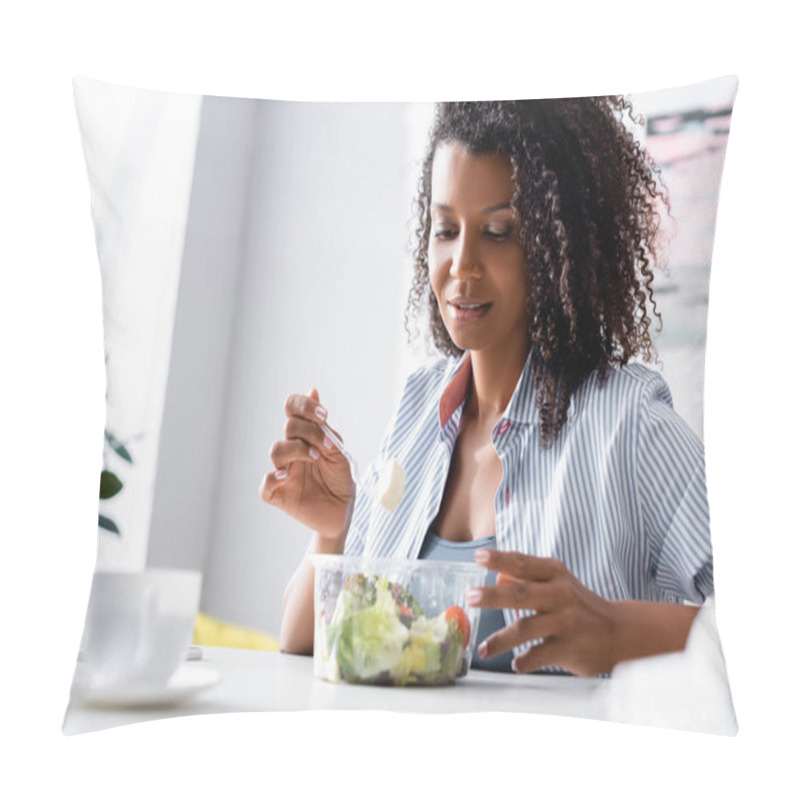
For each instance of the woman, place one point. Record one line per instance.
(537, 447)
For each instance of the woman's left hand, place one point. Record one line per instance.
(575, 625)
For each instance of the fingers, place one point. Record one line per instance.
(525, 629)
(306, 407)
(508, 592)
(308, 432)
(305, 442)
(269, 485)
(550, 653)
(519, 565)
(285, 453)
(545, 649)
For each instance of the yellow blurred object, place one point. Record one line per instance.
(216, 633)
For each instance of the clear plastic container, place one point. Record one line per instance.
(393, 622)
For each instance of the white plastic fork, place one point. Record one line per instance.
(392, 483)
(339, 445)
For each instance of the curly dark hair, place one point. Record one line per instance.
(587, 196)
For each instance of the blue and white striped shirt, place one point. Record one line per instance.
(620, 497)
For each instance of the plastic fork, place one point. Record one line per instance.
(392, 483)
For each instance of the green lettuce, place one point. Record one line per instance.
(378, 634)
(368, 639)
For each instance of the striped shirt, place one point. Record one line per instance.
(619, 497)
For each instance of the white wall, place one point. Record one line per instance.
(202, 340)
(139, 148)
(318, 302)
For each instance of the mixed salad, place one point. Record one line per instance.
(378, 633)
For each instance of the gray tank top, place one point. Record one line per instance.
(434, 548)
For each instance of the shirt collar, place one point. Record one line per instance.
(521, 408)
(456, 390)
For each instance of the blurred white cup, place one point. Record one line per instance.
(139, 626)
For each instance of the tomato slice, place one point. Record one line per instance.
(457, 615)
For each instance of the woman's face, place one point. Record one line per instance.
(477, 266)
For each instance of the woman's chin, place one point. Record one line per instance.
(464, 342)
(472, 344)
(467, 336)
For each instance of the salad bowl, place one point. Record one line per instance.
(393, 622)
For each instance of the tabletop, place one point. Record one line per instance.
(687, 690)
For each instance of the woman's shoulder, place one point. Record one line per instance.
(642, 376)
(633, 397)
(630, 385)
(433, 374)
(417, 408)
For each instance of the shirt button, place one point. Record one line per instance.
(508, 495)
(504, 426)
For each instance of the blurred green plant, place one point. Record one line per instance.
(110, 484)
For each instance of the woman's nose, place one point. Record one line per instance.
(466, 259)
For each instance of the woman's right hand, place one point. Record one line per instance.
(311, 481)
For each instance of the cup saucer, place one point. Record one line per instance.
(188, 679)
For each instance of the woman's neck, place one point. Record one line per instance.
(494, 380)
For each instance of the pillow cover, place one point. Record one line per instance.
(217, 633)
(250, 249)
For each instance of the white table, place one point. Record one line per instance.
(682, 690)
(259, 681)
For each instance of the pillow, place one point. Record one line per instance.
(214, 632)
(250, 249)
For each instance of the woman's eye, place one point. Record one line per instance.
(498, 234)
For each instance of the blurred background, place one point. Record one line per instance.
(252, 249)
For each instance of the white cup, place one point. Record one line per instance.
(139, 626)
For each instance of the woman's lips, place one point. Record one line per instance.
(466, 311)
